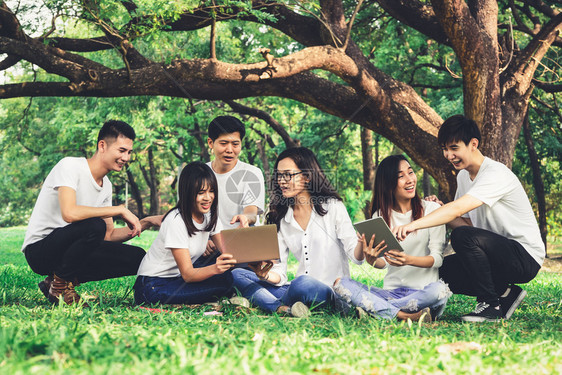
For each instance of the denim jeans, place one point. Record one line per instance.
(386, 303)
(269, 297)
(174, 290)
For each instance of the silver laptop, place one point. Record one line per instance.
(378, 227)
(252, 244)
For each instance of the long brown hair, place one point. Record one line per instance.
(193, 177)
(386, 180)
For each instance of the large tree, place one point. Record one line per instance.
(329, 68)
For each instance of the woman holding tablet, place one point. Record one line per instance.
(412, 283)
(172, 271)
(313, 225)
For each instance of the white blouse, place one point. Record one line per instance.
(323, 249)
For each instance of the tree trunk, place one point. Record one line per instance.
(538, 183)
(367, 156)
(495, 95)
(154, 191)
(201, 140)
(135, 193)
(426, 183)
(263, 156)
(368, 165)
(152, 183)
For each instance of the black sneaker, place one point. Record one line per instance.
(45, 285)
(510, 302)
(483, 313)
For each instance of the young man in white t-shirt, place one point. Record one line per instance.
(241, 185)
(70, 236)
(495, 235)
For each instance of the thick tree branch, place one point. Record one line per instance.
(548, 87)
(419, 16)
(8, 62)
(9, 24)
(53, 60)
(267, 118)
(129, 5)
(81, 45)
(529, 58)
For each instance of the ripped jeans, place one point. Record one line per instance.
(386, 303)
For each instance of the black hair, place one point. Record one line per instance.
(386, 179)
(226, 125)
(458, 128)
(319, 187)
(193, 178)
(112, 129)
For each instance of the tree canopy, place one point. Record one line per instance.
(333, 55)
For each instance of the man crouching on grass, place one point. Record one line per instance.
(70, 237)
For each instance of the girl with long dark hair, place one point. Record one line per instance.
(314, 226)
(412, 288)
(173, 270)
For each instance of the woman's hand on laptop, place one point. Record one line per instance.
(224, 263)
(211, 248)
(261, 269)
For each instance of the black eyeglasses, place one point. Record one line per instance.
(286, 176)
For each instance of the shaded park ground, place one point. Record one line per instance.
(115, 337)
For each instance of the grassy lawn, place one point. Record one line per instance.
(115, 337)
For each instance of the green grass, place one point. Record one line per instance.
(114, 337)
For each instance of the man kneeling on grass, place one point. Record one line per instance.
(70, 236)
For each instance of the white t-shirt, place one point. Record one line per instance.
(240, 187)
(323, 249)
(506, 209)
(74, 173)
(429, 241)
(159, 260)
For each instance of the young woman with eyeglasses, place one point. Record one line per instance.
(314, 226)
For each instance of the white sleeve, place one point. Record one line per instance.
(281, 267)
(65, 174)
(491, 186)
(218, 228)
(345, 231)
(176, 234)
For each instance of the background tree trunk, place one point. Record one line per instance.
(135, 193)
(537, 179)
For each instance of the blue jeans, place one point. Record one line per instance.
(174, 290)
(269, 297)
(386, 303)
